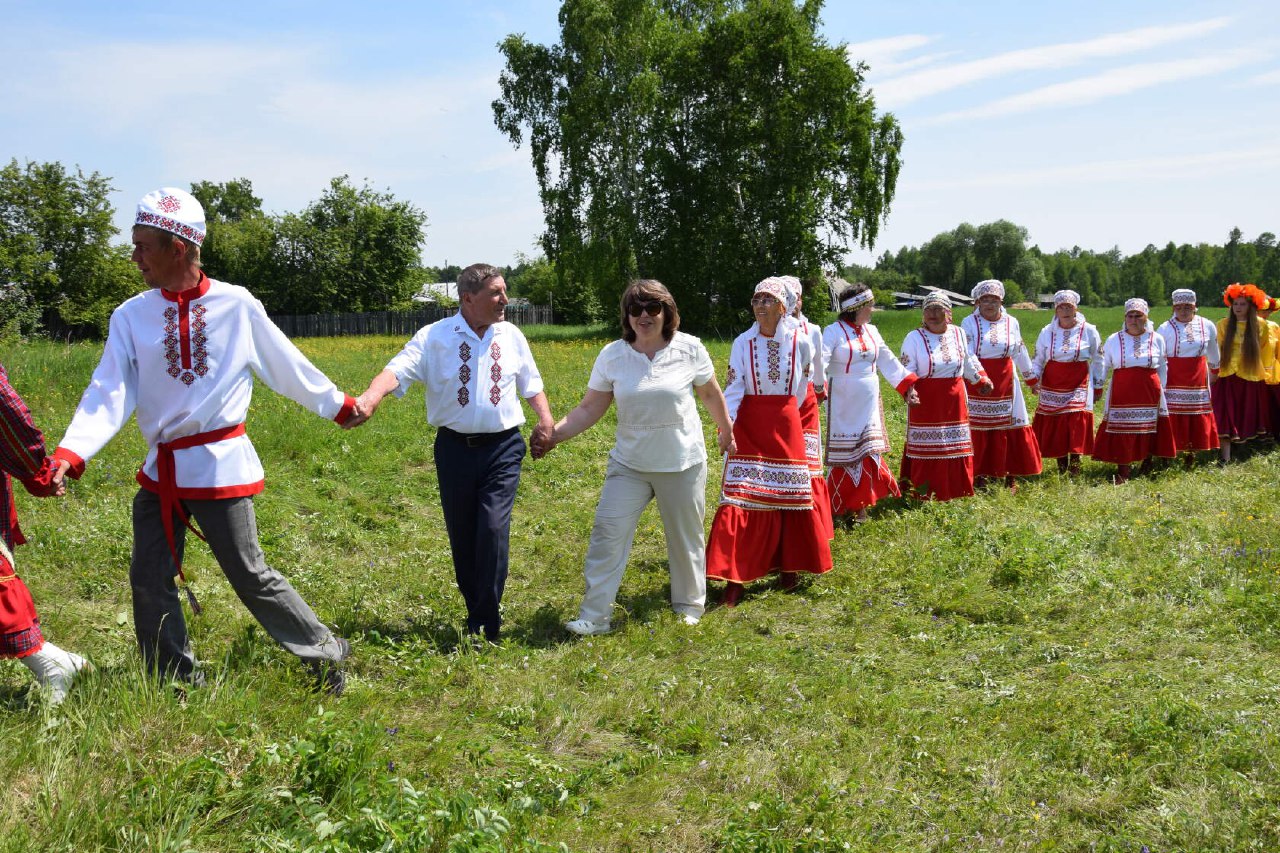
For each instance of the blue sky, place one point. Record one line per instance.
(1092, 124)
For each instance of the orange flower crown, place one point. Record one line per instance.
(1253, 292)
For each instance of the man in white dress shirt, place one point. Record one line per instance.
(182, 357)
(476, 368)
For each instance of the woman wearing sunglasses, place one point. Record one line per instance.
(653, 375)
(766, 521)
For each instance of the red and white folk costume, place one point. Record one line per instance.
(1192, 353)
(811, 423)
(766, 520)
(184, 363)
(1135, 420)
(1004, 443)
(22, 456)
(1070, 365)
(857, 441)
(937, 460)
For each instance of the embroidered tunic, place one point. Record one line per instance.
(473, 384)
(999, 341)
(938, 457)
(1079, 344)
(186, 363)
(1123, 350)
(759, 364)
(1192, 350)
(855, 414)
(1135, 422)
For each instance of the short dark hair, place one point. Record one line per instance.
(475, 277)
(649, 290)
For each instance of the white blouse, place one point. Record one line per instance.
(1079, 343)
(940, 356)
(1191, 340)
(658, 424)
(1001, 339)
(759, 364)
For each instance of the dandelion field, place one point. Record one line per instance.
(1078, 666)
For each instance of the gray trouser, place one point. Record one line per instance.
(231, 528)
(682, 500)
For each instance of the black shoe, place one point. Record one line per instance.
(329, 675)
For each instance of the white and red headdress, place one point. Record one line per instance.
(173, 210)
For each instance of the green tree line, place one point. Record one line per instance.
(958, 259)
(353, 249)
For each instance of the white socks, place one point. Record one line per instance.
(55, 669)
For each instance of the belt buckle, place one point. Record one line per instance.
(475, 440)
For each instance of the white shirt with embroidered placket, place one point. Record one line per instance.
(473, 383)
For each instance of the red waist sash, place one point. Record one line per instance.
(167, 475)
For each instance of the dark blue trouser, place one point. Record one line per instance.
(477, 491)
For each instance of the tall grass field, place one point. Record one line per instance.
(1079, 666)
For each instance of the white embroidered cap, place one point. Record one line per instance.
(794, 290)
(775, 287)
(1068, 297)
(936, 298)
(173, 210)
(1183, 296)
(989, 287)
(1136, 304)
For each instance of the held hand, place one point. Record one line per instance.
(913, 397)
(726, 442)
(59, 478)
(1035, 388)
(986, 386)
(364, 409)
(542, 440)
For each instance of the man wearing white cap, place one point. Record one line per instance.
(1191, 347)
(182, 357)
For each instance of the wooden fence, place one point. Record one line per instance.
(401, 323)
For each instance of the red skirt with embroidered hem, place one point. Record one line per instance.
(1190, 404)
(19, 625)
(765, 522)
(1241, 408)
(1133, 428)
(1063, 425)
(937, 460)
(1000, 448)
(874, 481)
(812, 427)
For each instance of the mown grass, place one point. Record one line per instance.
(1075, 667)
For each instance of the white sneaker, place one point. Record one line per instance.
(689, 619)
(587, 628)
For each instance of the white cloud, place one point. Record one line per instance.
(1270, 78)
(1186, 166)
(1108, 84)
(921, 84)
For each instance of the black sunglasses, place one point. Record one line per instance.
(653, 309)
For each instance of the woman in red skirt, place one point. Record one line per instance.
(1241, 399)
(1135, 422)
(1191, 348)
(22, 455)
(1004, 445)
(1070, 366)
(814, 394)
(937, 461)
(766, 522)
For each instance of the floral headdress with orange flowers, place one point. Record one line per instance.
(1251, 291)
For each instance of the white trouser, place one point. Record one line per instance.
(682, 502)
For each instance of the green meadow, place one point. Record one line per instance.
(1079, 666)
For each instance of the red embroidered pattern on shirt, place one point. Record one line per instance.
(171, 342)
(495, 372)
(774, 359)
(199, 355)
(730, 375)
(464, 374)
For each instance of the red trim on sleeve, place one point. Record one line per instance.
(907, 384)
(348, 406)
(41, 485)
(1033, 381)
(1214, 371)
(77, 464)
